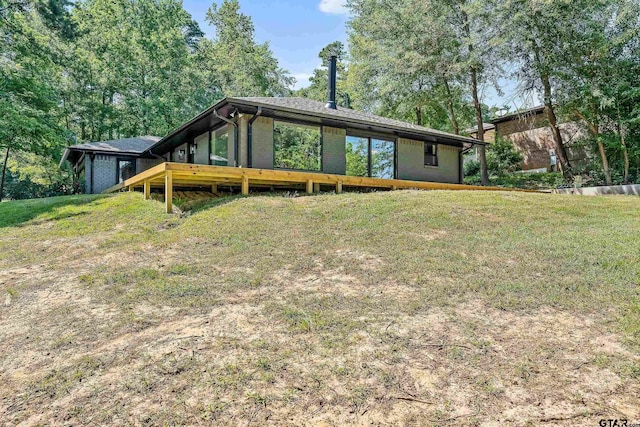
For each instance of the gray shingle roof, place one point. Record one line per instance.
(137, 144)
(316, 108)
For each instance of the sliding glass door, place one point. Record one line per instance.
(370, 157)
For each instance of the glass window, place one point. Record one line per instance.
(357, 153)
(220, 147)
(430, 154)
(382, 159)
(126, 170)
(296, 146)
(370, 157)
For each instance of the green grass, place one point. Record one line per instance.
(273, 309)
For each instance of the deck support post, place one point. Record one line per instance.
(147, 189)
(339, 187)
(168, 191)
(130, 188)
(309, 186)
(214, 188)
(316, 187)
(394, 188)
(245, 185)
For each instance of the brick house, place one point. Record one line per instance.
(531, 135)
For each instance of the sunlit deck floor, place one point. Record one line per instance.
(169, 175)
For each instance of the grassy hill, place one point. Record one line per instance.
(414, 308)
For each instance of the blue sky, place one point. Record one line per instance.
(298, 29)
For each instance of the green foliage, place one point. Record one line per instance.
(357, 157)
(30, 176)
(319, 87)
(528, 181)
(472, 168)
(297, 147)
(241, 66)
(502, 157)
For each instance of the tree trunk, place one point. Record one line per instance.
(452, 115)
(565, 166)
(605, 162)
(484, 174)
(625, 153)
(595, 129)
(418, 116)
(4, 171)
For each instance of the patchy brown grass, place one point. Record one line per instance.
(404, 308)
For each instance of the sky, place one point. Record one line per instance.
(298, 29)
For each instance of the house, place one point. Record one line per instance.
(531, 135)
(283, 134)
(107, 163)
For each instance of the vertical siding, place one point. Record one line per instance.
(411, 163)
(243, 129)
(333, 150)
(262, 143)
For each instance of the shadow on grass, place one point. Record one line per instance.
(16, 213)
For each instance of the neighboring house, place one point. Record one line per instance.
(531, 135)
(107, 163)
(295, 134)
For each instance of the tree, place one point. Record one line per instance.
(422, 56)
(319, 81)
(240, 65)
(601, 78)
(29, 77)
(541, 38)
(399, 65)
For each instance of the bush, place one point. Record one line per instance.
(472, 168)
(502, 157)
(31, 176)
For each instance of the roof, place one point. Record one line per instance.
(318, 108)
(519, 114)
(303, 107)
(485, 126)
(136, 145)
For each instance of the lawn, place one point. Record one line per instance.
(390, 308)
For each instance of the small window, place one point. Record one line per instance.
(126, 170)
(296, 147)
(430, 154)
(220, 147)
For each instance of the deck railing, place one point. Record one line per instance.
(170, 175)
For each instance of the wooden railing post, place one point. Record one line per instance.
(245, 185)
(168, 191)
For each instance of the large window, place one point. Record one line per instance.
(370, 157)
(296, 146)
(430, 154)
(126, 169)
(357, 152)
(219, 147)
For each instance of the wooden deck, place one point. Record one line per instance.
(170, 175)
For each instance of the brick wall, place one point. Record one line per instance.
(104, 173)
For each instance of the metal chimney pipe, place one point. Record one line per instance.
(332, 83)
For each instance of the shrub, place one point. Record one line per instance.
(502, 157)
(472, 168)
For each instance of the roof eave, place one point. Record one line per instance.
(393, 129)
